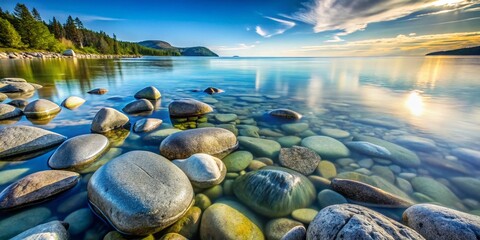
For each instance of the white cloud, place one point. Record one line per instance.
(335, 39)
(282, 26)
(412, 34)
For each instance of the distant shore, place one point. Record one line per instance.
(41, 54)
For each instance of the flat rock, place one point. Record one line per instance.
(304, 215)
(188, 107)
(435, 222)
(285, 113)
(137, 106)
(12, 79)
(147, 124)
(470, 186)
(375, 181)
(334, 133)
(369, 149)
(217, 142)
(326, 169)
(348, 221)
(327, 197)
(73, 102)
(166, 193)
(289, 141)
(416, 143)
(41, 108)
(468, 155)
(437, 191)
(15, 140)
(19, 103)
(150, 93)
(294, 128)
(300, 159)
(326, 147)
(79, 151)
(226, 117)
(98, 91)
(237, 161)
(364, 193)
(7, 176)
(260, 147)
(158, 136)
(15, 87)
(203, 170)
(108, 119)
(23, 221)
(36, 187)
(52, 230)
(7, 111)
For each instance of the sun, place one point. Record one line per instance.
(447, 2)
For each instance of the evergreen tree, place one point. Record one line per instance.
(115, 45)
(36, 14)
(8, 35)
(57, 29)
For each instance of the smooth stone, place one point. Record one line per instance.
(304, 215)
(326, 169)
(229, 127)
(289, 141)
(269, 133)
(114, 190)
(37, 187)
(173, 236)
(217, 142)
(416, 143)
(296, 233)
(214, 192)
(267, 161)
(188, 225)
(41, 108)
(8, 111)
(79, 151)
(147, 124)
(364, 193)
(69, 53)
(54, 230)
(285, 113)
(334, 133)
(226, 117)
(158, 136)
(150, 93)
(437, 191)
(114, 235)
(436, 222)
(188, 107)
(384, 172)
(3, 97)
(276, 228)
(375, 181)
(15, 87)
(320, 183)
(260, 147)
(326, 147)
(399, 154)
(203, 170)
(79, 220)
(223, 222)
(261, 192)
(23, 221)
(255, 165)
(108, 119)
(228, 187)
(19, 103)
(294, 128)
(470, 186)
(348, 221)
(98, 91)
(202, 201)
(212, 90)
(248, 132)
(237, 161)
(73, 203)
(210, 100)
(73, 102)
(404, 185)
(369, 149)
(17, 140)
(11, 175)
(300, 159)
(328, 197)
(137, 106)
(468, 155)
(307, 133)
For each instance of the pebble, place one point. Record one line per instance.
(79, 221)
(304, 215)
(300, 159)
(326, 147)
(238, 161)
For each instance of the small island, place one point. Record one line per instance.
(471, 51)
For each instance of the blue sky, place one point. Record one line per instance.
(282, 28)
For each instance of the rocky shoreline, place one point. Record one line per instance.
(49, 55)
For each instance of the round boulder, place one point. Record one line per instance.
(41, 108)
(142, 105)
(188, 107)
(203, 170)
(150, 93)
(109, 119)
(147, 124)
(140, 193)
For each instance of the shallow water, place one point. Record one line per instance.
(437, 98)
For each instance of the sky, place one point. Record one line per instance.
(310, 28)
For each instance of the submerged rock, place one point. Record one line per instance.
(212, 90)
(468, 155)
(188, 107)
(166, 193)
(98, 91)
(260, 147)
(79, 151)
(285, 113)
(417, 143)
(73, 102)
(79, 220)
(277, 228)
(326, 147)
(8, 111)
(138, 106)
(23, 221)
(470, 186)
(436, 222)
(437, 191)
(226, 117)
(300, 159)
(150, 93)
(36, 187)
(217, 142)
(16, 140)
(203, 170)
(327, 197)
(158, 136)
(41, 108)
(348, 221)
(52, 230)
(108, 119)
(237, 161)
(274, 191)
(147, 124)
(294, 128)
(369, 149)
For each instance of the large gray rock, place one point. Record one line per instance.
(142, 105)
(348, 221)
(203, 170)
(140, 193)
(108, 119)
(36, 187)
(217, 142)
(41, 108)
(8, 111)
(300, 159)
(150, 93)
(69, 53)
(188, 107)
(15, 85)
(54, 230)
(16, 140)
(147, 124)
(435, 222)
(79, 151)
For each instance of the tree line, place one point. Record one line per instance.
(24, 29)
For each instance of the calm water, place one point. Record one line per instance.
(436, 98)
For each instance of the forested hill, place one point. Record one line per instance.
(189, 51)
(461, 51)
(26, 30)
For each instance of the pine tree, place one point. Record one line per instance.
(36, 14)
(57, 29)
(8, 35)
(115, 45)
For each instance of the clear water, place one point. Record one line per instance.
(437, 98)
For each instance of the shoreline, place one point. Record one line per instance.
(49, 55)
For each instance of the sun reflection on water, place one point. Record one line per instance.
(414, 103)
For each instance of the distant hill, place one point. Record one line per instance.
(189, 51)
(461, 51)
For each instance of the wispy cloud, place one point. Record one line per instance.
(91, 18)
(446, 6)
(240, 46)
(281, 27)
(399, 45)
(335, 39)
(475, 9)
(457, 21)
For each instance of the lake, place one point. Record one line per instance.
(428, 105)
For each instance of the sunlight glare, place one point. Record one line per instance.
(447, 2)
(414, 103)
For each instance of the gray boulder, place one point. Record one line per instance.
(15, 85)
(69, 53)
(7, 111)
(108, 119)
(188, 107)
(48, 231)
(142, 105)
(150, 93)
(41, 108)
(147, 124)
